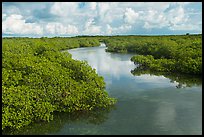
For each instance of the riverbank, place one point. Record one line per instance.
(174, 53)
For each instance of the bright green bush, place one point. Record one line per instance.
(38, 80)
(176, 53)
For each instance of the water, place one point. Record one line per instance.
(148, 104)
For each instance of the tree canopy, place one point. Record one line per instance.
(38, 79)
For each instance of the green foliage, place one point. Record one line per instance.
(176, 53)
(38, 80)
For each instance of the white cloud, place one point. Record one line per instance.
(123, 28)
(177, 15)
(108, 12)
(130, 16)
(64, 9)
(176, 18)
(90, 28)
(92, 5)
(10, 10)
(188, 27)
(103, 9)
(15, 24)
(108, 29)
(147, 25)
(3, 16)
(117, 30)
(72, 29)
(180, 20)
(58, 28)
(145, 6)
(100, 18)
(154, 19)
(183, 3)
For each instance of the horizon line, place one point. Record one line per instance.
(100, 35)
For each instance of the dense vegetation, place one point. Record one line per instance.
(176, 53)
(38, 80)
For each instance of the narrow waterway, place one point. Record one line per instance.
(147, 103)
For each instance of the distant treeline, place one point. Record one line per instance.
(174, 53)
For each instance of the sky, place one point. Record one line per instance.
(50, 19)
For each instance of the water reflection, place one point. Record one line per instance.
(108, 64)
(148, 102)
(70, 122)
(181, 80)
(116, 67)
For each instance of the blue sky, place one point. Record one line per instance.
(37, 19)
